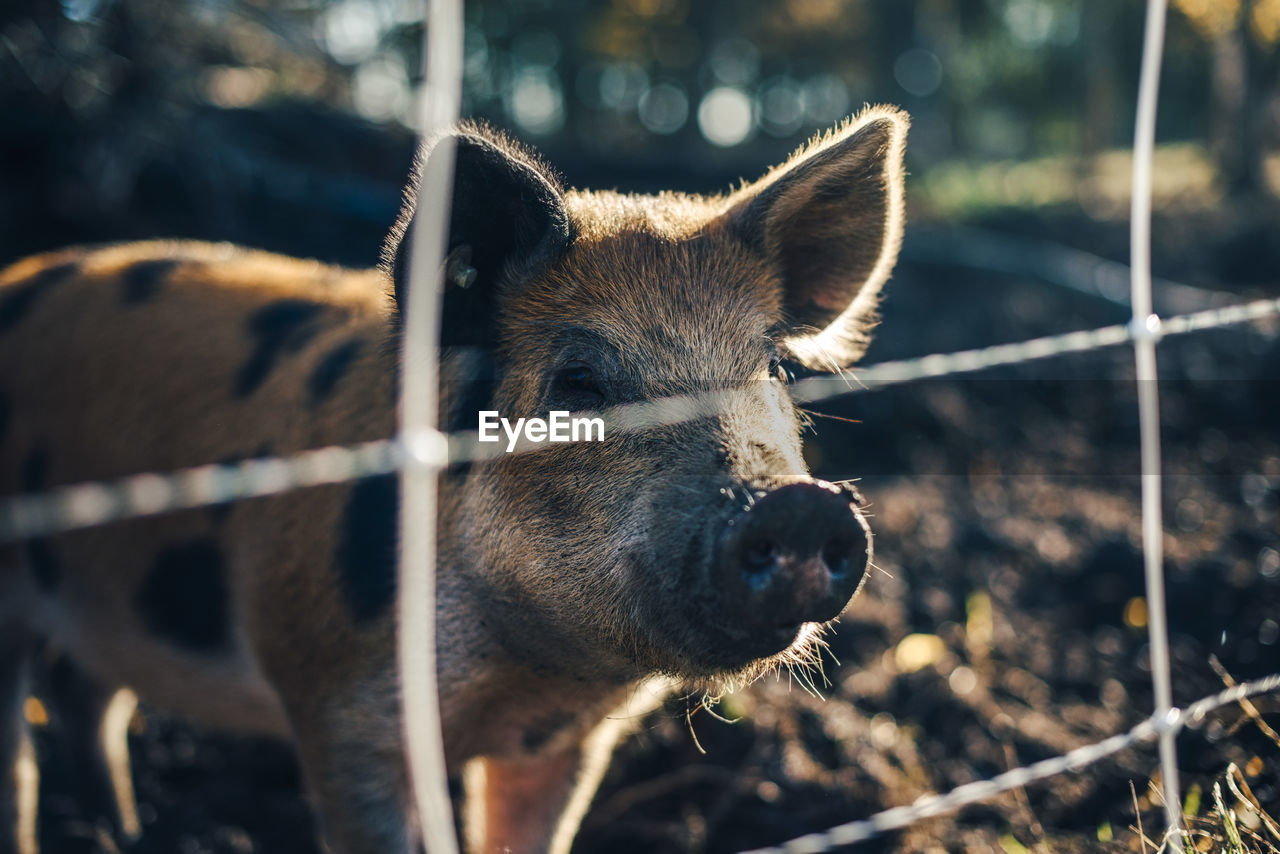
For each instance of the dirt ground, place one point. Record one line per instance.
(1004, 625)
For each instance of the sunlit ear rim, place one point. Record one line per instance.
(869, 150)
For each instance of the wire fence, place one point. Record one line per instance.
(421, 451)
(1166, 724)
(88, 505)
(91, 504)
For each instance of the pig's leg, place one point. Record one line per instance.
(19, 776)
(530, 805)
(354, 772)
(95, 733)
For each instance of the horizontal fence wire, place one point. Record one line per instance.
(87, 505)
(932, 806)
(816, 389)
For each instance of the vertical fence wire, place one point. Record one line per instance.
(1146, 333)
(439, 104)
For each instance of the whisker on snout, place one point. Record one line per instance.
(708, 704)
(880, 569)
(688, 719)
(815, 413)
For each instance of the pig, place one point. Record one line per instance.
(577, 583)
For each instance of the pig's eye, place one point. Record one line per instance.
(777, 371)
(576, 384)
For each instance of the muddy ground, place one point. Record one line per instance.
(1007, 520)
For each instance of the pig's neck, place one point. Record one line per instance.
(507, 684)
(494, 703)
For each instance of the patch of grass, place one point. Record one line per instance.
(1235, 823)
(1185, 179)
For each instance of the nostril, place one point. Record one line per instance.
(835, 555)
(760, 556)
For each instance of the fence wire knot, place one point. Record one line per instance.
(427, 449)
(1150, 328)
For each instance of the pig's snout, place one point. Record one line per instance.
(796, 556)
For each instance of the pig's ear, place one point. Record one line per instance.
(830, 222)
(508, 218)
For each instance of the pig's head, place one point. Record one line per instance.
(700, 548)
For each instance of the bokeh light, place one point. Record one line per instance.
(664, 108)
(826, 99)
(380, 89)
(780, 105)
(725, 116)
(735, 62)
(918, 71)
(535, 101)
(622, 84)
(352, 29)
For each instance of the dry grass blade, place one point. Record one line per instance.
(1245, 703)
(1024, 804)
(1228, 821)
(1236, 783)
(1137, 818)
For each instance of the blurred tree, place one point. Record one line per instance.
(1099, 46)
(176, 111)
(1244, 38)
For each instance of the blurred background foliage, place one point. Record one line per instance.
(286, 123)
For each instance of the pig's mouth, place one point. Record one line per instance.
(727, 651)
(713, 649)
(750, 647)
